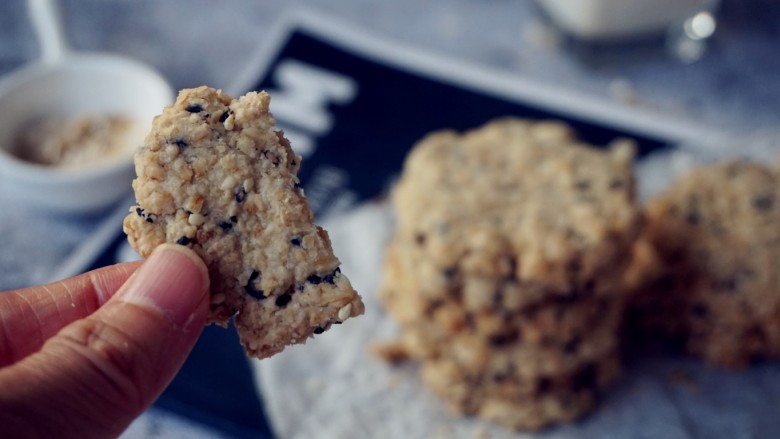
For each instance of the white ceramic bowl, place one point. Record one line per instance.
(80, 83)
(66, 84)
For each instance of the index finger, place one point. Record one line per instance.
(30, 316)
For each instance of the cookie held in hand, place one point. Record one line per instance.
(215, 174)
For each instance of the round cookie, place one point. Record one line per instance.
(215, 175)
(517, 200)
(716, 235)
(549, 338)
(523, 404)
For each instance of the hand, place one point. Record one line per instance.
(85, 356)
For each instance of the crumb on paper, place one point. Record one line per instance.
(393, 352)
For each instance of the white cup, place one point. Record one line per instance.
(611, 20)
(64, 83)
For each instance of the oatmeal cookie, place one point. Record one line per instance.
(549, 338)
(522, 404)
(216, 175)
(517, 201)
(506, 267)
(716, 234)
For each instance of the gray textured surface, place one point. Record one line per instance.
(736, 87)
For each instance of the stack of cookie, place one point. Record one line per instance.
(505, 270)
(712, 273)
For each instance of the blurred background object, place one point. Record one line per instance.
(734, 85)
(621, 19)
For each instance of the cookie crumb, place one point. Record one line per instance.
(393, 352)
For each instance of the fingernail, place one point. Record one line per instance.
(172, 281)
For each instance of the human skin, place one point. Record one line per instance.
(83, 357)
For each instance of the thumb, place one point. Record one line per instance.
(99, 373)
